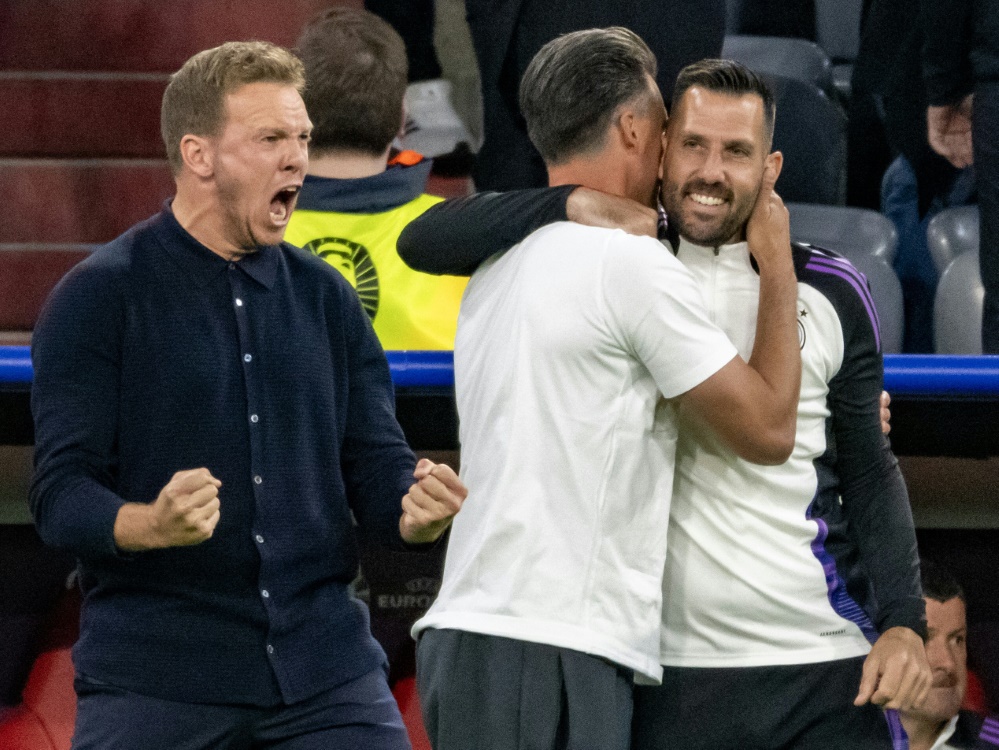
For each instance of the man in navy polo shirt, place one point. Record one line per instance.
(213, 413)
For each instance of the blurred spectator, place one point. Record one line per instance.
(961, 68)
(939, 722)
(433, 127)
(508, 33)
(887, 123)
(354, 202)
(795, 18)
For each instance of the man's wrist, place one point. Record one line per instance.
(135, 528)
(412, 533)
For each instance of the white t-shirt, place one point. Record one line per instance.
(565, 346)
(946, 734)
(747, 583)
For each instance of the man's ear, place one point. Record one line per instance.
(775, 160)
(628, 128)
(198, 155)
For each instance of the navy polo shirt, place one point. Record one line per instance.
(156, 355)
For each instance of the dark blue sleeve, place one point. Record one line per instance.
(456, 236)
(875, 499)
(76, 353)
(377, 462)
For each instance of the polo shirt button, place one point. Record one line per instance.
(239, 302)
(232, 266)
(270, 649)
(260, 539)
(247, 357)
(254, 418)
(258, 479)
(266, 594)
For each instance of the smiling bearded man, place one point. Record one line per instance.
(212, 412)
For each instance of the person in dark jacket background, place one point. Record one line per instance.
(508, 33)
(961, 69)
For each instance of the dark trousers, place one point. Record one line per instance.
(985, 136)
(360, 714)
(508, 33)
(414, 21)
(483, 692)
(795, 707)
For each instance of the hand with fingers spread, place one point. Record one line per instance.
(431, 503)
(896, 673)
(185, 513)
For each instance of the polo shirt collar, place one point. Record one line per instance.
(202, 265)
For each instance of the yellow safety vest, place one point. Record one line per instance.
(409, 309)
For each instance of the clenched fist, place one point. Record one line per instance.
(185, 513)
(431, 503)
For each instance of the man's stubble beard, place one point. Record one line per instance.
(733, 226)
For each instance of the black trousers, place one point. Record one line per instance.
(483, 692)
(795, 707)
(985, 136)
(414, 20)
(508, 33)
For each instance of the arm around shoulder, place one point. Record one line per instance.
(456, 236)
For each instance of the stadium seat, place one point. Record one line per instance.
(811, 132)
(853, 232)
(44, 721)
(111, 35)
(974, 696)
(409, 705)
(79, 201)
(74, 115)
(44, 718)
(887, 292)
(837, 30)
(957, 311)
(951, 232)
(27, 275)
(794, 58)
(867, 240)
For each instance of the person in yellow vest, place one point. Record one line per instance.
(355, 201)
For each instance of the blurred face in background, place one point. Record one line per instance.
(947, 654)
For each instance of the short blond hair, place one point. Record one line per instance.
(194, 100)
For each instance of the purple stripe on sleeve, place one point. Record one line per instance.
(830, 266)
(841, 601)
(841, 264)
(899, 739)
(990, 731)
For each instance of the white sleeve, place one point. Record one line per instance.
(659, 312)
